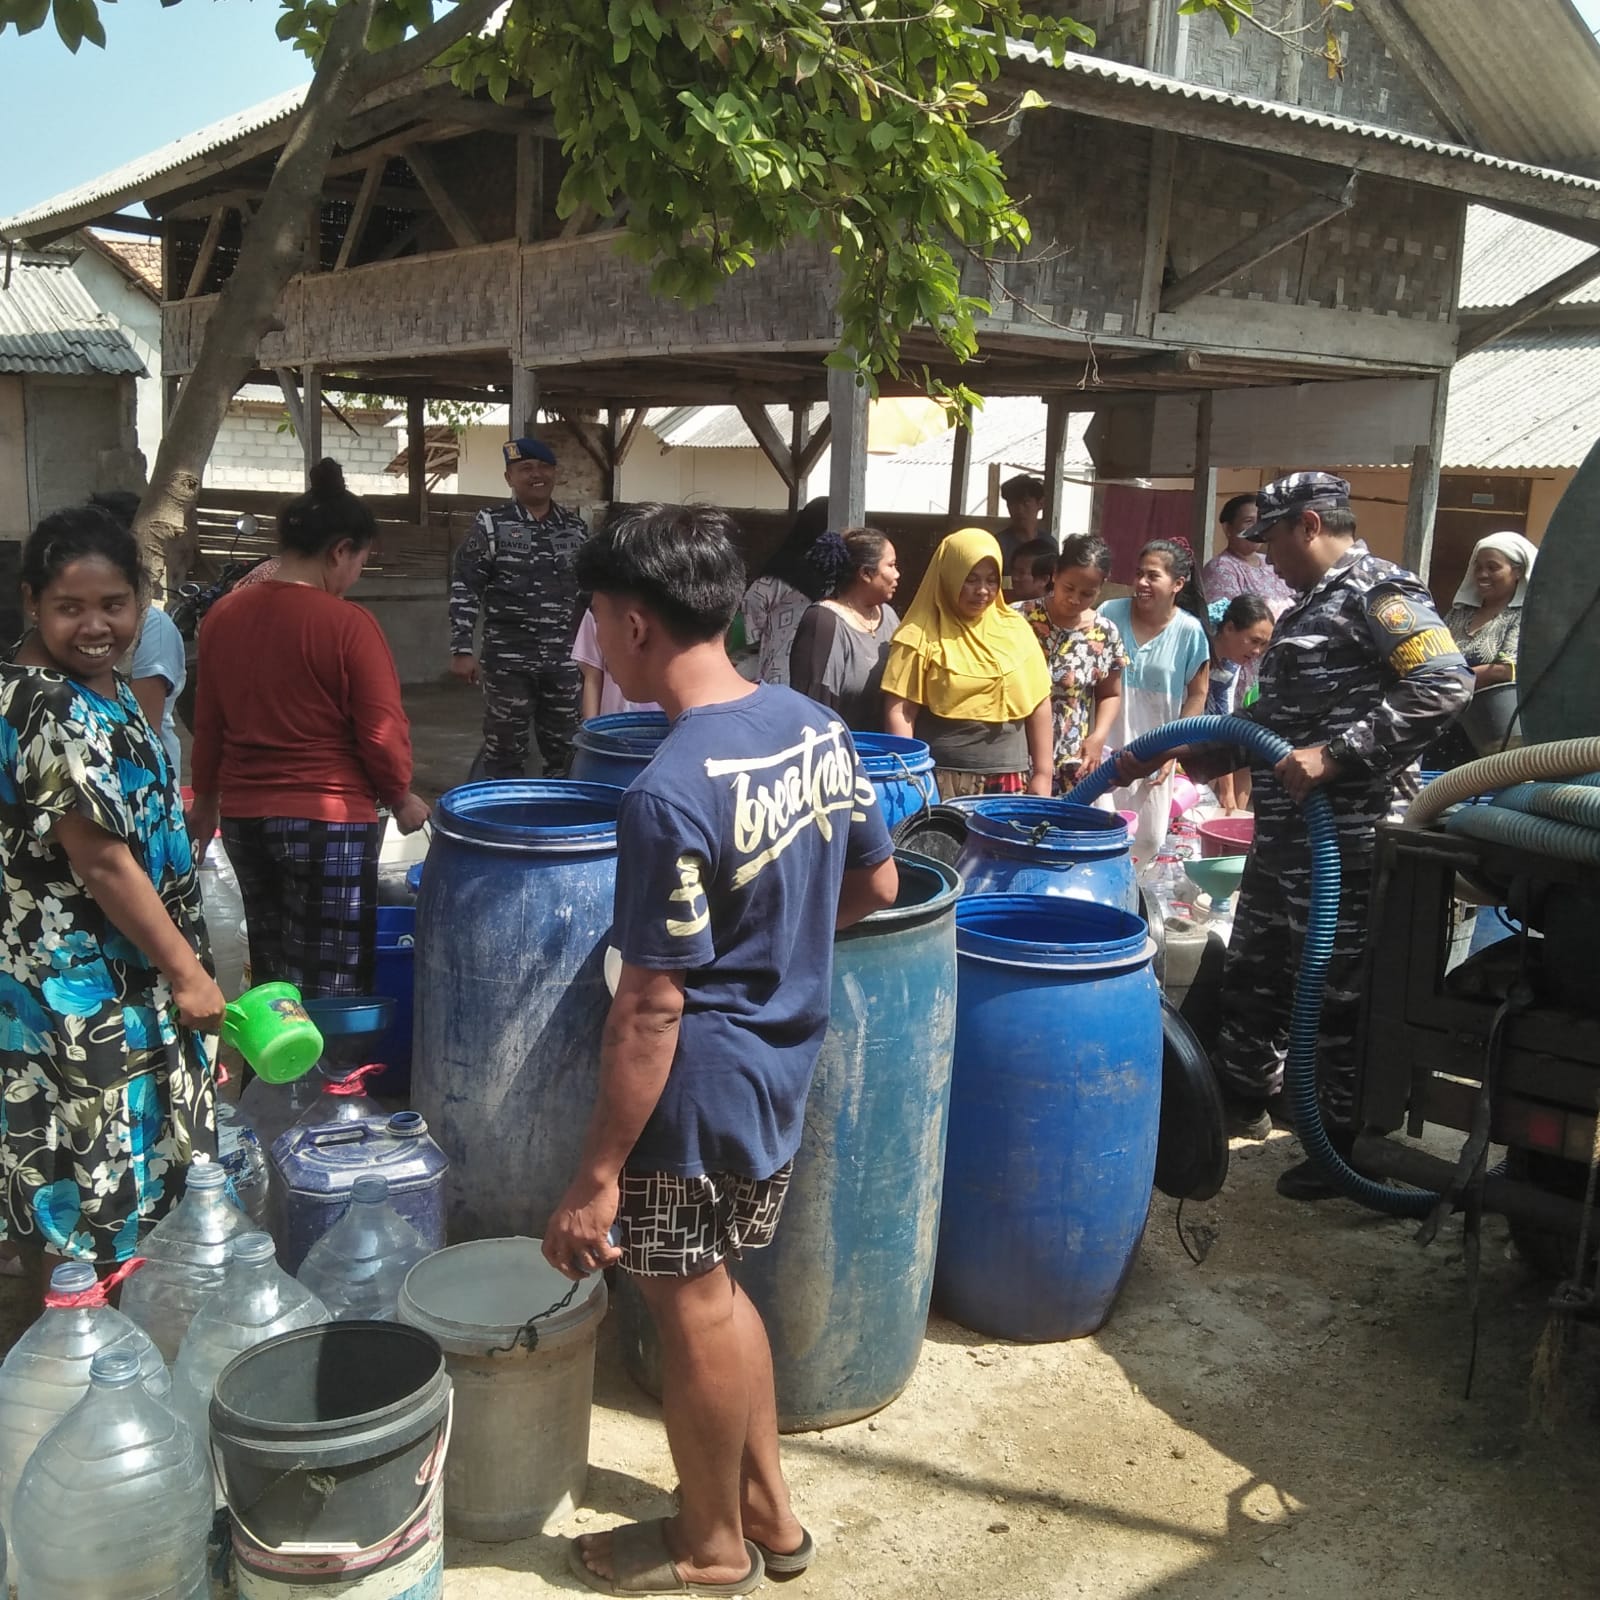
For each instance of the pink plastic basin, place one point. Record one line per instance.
(1226, 836)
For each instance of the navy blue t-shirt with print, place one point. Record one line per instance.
(731, 846)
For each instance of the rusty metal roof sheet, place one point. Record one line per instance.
(49, 324)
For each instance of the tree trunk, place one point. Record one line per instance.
(273, 251)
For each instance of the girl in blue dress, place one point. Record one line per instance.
(107, 1094)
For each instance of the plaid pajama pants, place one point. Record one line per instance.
(311, 899)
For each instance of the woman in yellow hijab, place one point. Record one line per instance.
(966, 676)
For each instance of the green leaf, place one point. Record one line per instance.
(882, 135)
(806, 66)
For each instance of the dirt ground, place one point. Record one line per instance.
(1284, 1419)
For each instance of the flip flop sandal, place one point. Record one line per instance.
(642, 1564)
(788, 1563)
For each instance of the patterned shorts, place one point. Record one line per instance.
(674, 1227)
(954, 784)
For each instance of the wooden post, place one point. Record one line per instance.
(524, 401)
(847, 469)
(530, 187)
(991, 499)
(797, 442)
(960, 467)
(1422, 499)
(417, 458)
(311, 405)
(1056, 412)
(1205, 483)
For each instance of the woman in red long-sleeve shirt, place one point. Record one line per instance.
(299, 737)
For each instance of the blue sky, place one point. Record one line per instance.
(165, 72)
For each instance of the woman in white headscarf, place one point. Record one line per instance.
(1486, 619)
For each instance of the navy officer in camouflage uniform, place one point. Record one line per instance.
(516, 565)
(1360, 676)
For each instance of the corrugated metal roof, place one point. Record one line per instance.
(1529, 71)
(49, 324)
(1531, 401)
(135, 179)
(1156, 83)
(1505, 258)
(718, 427)
(1009, 430)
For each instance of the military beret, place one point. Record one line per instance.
(1289, 496)
(528, 450)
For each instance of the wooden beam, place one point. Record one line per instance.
(577, 222)
(208, 251)
(311, 404)
(1157, 213)
(1399, 35)
(767, 438)
(1205, 482)
(1589, 232)
(629, 433)
(1529, 306)
(417, 456)
(456, 220)
(148, 226)
(1055, 447)
(960, 467)
(530, 187)
(1257, 246)
(1422, 497)
(811, 451)
(524, 401)
(291, 400)
(847, 469)
(362, 209)
(587, 436)
(797, 440)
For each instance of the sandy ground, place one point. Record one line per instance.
(1284, 1419)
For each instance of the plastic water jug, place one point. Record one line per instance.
(185, 1257)
(257, 1300)
(358, 1267)
(314, 1171)
(116, 1502)
(243, 1157)
(340, 1096)
(46, 1372)
(274, 1107)
(223, 902)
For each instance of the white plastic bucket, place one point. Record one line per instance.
(524, 1382)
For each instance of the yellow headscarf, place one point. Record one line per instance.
(987, 670)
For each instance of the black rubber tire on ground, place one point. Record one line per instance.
(1551, 1252)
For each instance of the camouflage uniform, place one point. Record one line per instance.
(519, 567)
(1361, 663)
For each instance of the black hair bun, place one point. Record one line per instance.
(327, 478)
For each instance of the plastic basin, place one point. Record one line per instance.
(1226, 836)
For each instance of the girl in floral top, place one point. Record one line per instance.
(1085, 655)
(108, 1094)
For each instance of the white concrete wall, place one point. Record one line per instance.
(250, 453)
(139, 317)
(735, 477)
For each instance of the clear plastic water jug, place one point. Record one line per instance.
(357, 1267)
(46, 1372)
(116, 1501)
(256, 1301)
(340, 1095)
(273, 1108)
(186, 1253)
(243, 1157)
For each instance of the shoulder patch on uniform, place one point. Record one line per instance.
(1394, 614)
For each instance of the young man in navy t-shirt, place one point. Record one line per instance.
(744, 844)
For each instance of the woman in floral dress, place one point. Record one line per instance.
(107, 1092)
(1085, 655)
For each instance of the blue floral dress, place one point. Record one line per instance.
(104, 1094)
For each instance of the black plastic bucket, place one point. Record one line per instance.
(332, 1438)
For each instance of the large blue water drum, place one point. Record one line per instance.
(1021, 845)
(511, 995)
(615, 749)
(1055, 1105)
(901, 770)
(844, 1286)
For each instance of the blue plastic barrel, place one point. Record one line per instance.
(1023, 845)
(512, 924)
(844, 1287)
(615, 749)
(394, 975)
(901, 770)
(1055, 1105)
